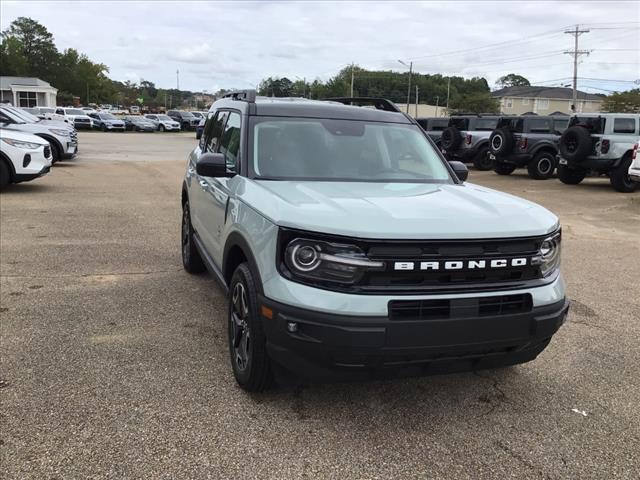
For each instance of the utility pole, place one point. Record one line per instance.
(351, 79)
(409, 87)
(437, 102)
(448, 90)
(417, 90)
(575, 54)
(177, 79)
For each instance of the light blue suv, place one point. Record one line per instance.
(350, 248)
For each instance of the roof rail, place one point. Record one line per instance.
(244, 95)
(378, 103)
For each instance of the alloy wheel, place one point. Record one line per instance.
(240, 332)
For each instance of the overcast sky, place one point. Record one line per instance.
(219, 44)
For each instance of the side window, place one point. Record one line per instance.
(213, 131)
(539, 125)
(624, 125)
(230, 142)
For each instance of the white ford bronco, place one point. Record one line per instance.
(350, 247)
(602, 143)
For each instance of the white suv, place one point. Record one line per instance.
(599, 142)
(23, 157)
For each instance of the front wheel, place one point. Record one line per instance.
(103, 127)
(503, 168)
(542, 166)
(161, 128)
(482, 161)
(247, 343)
(620, 179)
(191, 259)
(571, 176)
(5, 175)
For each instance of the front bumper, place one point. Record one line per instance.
(25, 177)
(634, 173)
(327, 347)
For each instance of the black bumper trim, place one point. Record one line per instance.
(329, 347)
(25, 177)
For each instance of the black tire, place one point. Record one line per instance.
(482, 161)
(571, 176)
(103, 127)
(503, 168)
(56, 155)
(619, 177)
(161, 128)
(185, 126)
(191, 259)
(575, 143)
(5, 174)
(451, 138)
(501, 141)
(542, 166)
(247, 343)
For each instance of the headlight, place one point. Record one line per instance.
(64, 133)
(549, 258)
(20, 144)
(322, 261)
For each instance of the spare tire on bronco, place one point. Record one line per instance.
(575, 143)
(451, 138)
(501, 141)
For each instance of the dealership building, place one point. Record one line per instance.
(27, 92)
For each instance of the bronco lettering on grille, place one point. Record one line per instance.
(463, 264)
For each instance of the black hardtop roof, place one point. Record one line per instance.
(302, 107)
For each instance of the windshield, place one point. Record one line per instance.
(107, 116)
(47, 110)
(12, 116)
(74, 111)
(165, 118)
(26, 115)
(343, 150)
(186, 114)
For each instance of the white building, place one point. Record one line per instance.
(27, 92)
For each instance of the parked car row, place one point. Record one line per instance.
(601, 144)
(29, 145)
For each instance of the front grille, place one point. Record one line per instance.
(442, 309)
(82, 120)
(47, 151)
(416, 279)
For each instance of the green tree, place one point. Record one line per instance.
(33, 44)
(276, 87)
(481, 102)
(623, 102)
(512, 80)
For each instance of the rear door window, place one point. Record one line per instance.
(624, 125)
(486, 124)
(539, 125)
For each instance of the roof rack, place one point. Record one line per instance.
(378, 103)
(244, 95)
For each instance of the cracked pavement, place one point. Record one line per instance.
(114, 361)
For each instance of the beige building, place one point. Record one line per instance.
(544, 100)
(424, 110)
(27, 92)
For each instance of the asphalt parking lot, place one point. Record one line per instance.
(115, 364)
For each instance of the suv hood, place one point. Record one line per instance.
(395, 210)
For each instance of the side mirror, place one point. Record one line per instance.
(198, 133)
(212, 165)
(461, 170)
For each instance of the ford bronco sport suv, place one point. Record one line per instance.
(467, 139)
(527, 141)
(602, 143)
(349, 247)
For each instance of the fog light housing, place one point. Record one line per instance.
(26, 161)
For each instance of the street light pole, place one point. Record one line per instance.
(409, 87)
